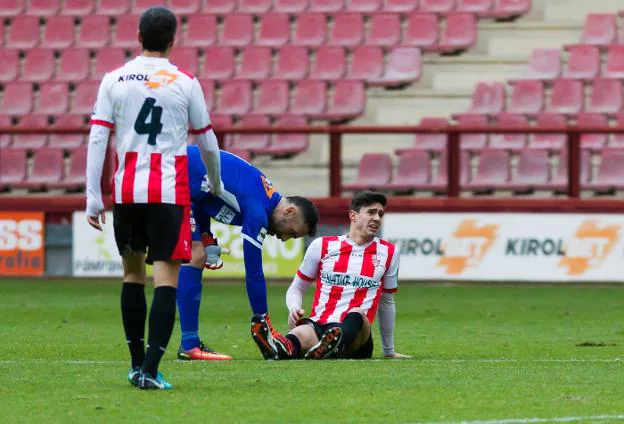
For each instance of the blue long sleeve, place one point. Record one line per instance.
(254, 278)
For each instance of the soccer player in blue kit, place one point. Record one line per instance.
(248, 199)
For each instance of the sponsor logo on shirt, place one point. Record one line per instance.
(262, 235)
(133, 77)
(225, 215)
(161, 78)
(268, 186)
(193, 223)
(349, 280)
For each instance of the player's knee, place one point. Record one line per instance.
(198, 256)
(365, 322)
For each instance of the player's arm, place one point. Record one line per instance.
(205, 137)
(302, 281)
(387, 308)
(253, 234)
(102, 121)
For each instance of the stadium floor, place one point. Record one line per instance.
(488, 354)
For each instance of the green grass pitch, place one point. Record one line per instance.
(481, 354)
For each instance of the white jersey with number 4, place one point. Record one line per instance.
(149, 102)
(348, 276)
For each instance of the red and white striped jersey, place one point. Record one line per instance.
(348, 276)
(149, 102)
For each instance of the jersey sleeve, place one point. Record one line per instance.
(391, 278)
(254, 231)
(310, 266)
(103, 110)
(198, 111)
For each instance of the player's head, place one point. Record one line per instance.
(296, 217)
(366, 212)
(157, 28)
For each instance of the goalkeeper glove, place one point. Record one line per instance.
(213, 252)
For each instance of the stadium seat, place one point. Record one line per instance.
(292, 63)
(439, 179)
(583, 62)
(348, 101)
(566, 97)
(84, 97)
(235, 98)
(13, 165)
(184, 7)
(437, 6)
(509, 141)
(9, 64)
(252, 142)
(243, 154)
(403, 67)
(67, 141)
(374, 170)
(532, 172)
(330, 64)
(201, 31)
(53, 98)
(363, 6)
(106, 60)
(487, 99)
(474, 6)
(559, 181)
(272, 98)
(508, 9)
(256, 7)
(400, 6)
(43, 7)
(367, 64)
(219, 63)
(208, 87)
(290, 6)
(285, 145)
(237, 30)
(347, 30)
(492, 171)
(140, 6)
(385, 30)
(610, 173)
(23, 33)
(606, 96)
(78, 7)
(527, 98)
(186, 59)
(17, 98)
(112, 7)
(59, 32)
(422, 30)
(599, 29)
(593, 141)
(413, 172)
(255, 63)
(549, 141)
(326, 6)
(219, 7)
(74, 65)
(459, 34)
(310, 30)
(94, 32)
(274, 30)
(5, 138)
(31, 141)
(48, 168)
(473, 142)
(126, 32)
(614, 65)
(431, 142)
(75, 178)
(617, 141)
(10, 8)
(38, 65)
(544, 65)
(309, 98)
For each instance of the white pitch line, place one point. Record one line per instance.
(619, 417)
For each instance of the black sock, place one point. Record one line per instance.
(296, 345)
(351, 326)
(133, 313)
(162, 318)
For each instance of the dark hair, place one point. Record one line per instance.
(157, 28)
(367, 198)
(308, 210)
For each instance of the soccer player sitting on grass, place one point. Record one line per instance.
(248, 200)
(356, 276)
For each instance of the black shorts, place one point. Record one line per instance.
(364, 352)
(160, 229)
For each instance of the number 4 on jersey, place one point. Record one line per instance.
(154, 127)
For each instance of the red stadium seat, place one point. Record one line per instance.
(235, 98)
(94, 32)
(255, 63)
(437, 6)
(566, 97)
(460, 33)
(219, 63)
(363, 6)
(292, 63)
(38, 65)
(532, 172)
(256, 7)
(43, 7)
(140, 6)
(431, 142)
(67, 141)
(106, 60)
(201, 31)
(310, 31)
(614, 65)
(422, 30)
(84, 97)
(13, 166)
(509, 141)
(348, 101)
(439, 180)
(31, 141)
(273, 98)
(252, 142)
(475, 6)
(78, 7)
(274, 30)
(5, 139)
(59, 32)
(23, 33)
(413, 172)
(74, 65)
(487, 99)
(17, 99)
(544, 64)
(112, 7)
(592, 141)
(9, 64)
(385, 30)
(186, 59)
(184, 7)
(560, 179)
(330, 64)
(400, 6)
(53, 98)
(367, 64)
(237, 30)
(290, 6)
(583, 62)
(374, 170)
(326, 5)
(473, 142)
(347, 30)
(208, 87)
(10, 8)
(599, 30)
(549, 141)
(610, 174)
(48, 169)
(285, 145)
(403, 66)
(527, 98)
(219, 7)
(492, 171)
(126, 32)
(75, 178)
(509, 9)
(309, 98)
(606, 96)
(618, 139)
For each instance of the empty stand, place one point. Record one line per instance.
(208, 87)
(374, 170)
(583, 62)
(286, 145)
(508, 9)
(431, 141)
(527, 98)
(347, 101)
(9, 64)
(106, 60)
(186, 59)
(67, 141)
(413, 172)
(385, 30)
(5, 139)
(421, 31)
(367, 64)
(400, 6)
(329, 64)
(492, 171)
(254, 6)
(201, 31)
(140, 6)
(610, 174)
(126, 32)
(326, 5)
(38, 65)
(48, 169)
(113, 7)
(487, 99)
(274, 30)
(17, 99)
(566, 97)
(255, 63)
(559, 181)
(219, 63)
(59, 32)
(550, 141)
(43, 7)
(617, 141)
(310, 30)
(75, 178)
(309, 98)
(475, 6)
(235, 98)
(31, 141)
(606, 96)
(592, 141)
(292, 63)
(237, 30)
(473, 142)
(290, 6)
(403, 66)
(219, 7)
(184, 7)
(23, 33)
(272, 98)
(459, 34)
(544, 64)
(84, 97)
(252, 142)
(78, 7)
(599, 30)
(437, 6)
(54, 98)
(94, 32)
(74, 65)
(614, 65)
(13, 165)
(439, 180)
(363, 6)
(532, 172)
(347, 29)
(509, 141)
(9, 8)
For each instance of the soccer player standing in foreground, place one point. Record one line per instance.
(150, 102)
(248, 200)
(356, 276)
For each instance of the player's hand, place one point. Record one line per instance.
(94, 221)
(95, 212)
(397, 355)
(294, 316)
(213, 252)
